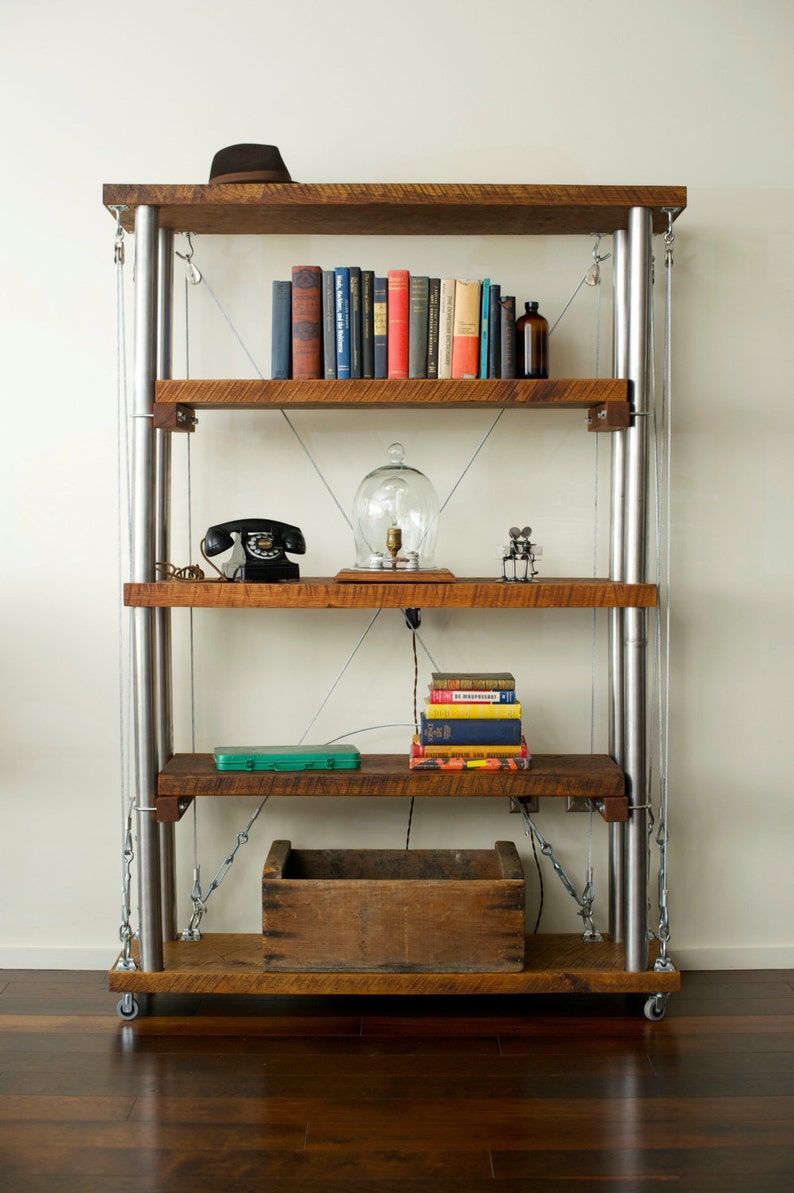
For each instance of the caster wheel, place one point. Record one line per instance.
(656, 1007)
(128, 1007)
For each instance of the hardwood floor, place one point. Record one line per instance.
(298, 1096)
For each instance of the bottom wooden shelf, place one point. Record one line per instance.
(232, 964)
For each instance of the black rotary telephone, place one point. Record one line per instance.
(259, 545)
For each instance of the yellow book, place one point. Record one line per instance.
(477, 712)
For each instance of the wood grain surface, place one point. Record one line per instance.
(590, 776)
(425, 1095)
(325, 592)
(429, 209)
(232, 964)
(231, 394)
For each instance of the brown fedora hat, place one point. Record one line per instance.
(249, 163)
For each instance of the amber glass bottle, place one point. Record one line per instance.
(532, 343)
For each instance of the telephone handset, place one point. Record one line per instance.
(259, 545)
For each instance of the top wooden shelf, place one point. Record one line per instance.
(425, 209)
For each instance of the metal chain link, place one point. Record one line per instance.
(126, 935)
(200, 900)
(583, 901)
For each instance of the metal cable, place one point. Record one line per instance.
(124, 646)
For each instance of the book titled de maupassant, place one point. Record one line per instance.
(307, 334)
(471, 695)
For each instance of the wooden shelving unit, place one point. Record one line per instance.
(233, 964)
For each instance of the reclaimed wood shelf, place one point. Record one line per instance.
(393, 209)
(549, 394)
(583, 776)
(327, 593)
(232, 964)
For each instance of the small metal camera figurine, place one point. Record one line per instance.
(518, 558)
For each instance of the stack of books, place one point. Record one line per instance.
(348, 323)
(471, 721)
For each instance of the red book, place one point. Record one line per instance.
(307, 327)
(397, 332)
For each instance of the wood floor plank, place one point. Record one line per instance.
(104, 1158)
(49, 1108)
(542, 1124)
(645, 1163)
(43, 1141)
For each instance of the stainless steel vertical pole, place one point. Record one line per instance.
(634, 620)
(617, 834)
(143, 489)
(162, 550)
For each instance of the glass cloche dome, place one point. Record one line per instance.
(395, 517)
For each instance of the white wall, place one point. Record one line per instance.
(697, 94)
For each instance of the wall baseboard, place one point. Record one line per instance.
(763, 957)
(684, 959)
(43, 958)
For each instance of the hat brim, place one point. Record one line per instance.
(253, 176)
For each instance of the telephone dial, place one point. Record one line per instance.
(258, 549)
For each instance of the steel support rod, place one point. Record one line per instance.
(617, 834)
(146, 221)
(162, 550)
(634, 620)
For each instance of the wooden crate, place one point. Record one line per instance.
(393, 910)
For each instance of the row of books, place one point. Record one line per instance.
(347, 323)
(471, 720)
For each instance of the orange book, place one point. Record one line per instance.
(397, 324)
(466, 330)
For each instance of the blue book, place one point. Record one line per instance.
(354, 274)
(281, 333)
(380, 326)
(484, 326)
(470, 732)
(367, 324)
(342, 311)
